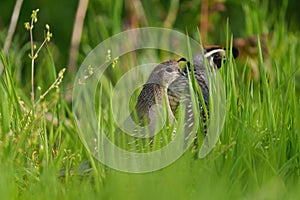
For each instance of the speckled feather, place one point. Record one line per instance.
(154, 92)
(178, 92)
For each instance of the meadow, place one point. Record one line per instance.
(256, 157)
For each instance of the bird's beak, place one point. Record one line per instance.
(188, 65)
(182, 60)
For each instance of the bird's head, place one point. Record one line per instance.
(215, 55)
(165, 73)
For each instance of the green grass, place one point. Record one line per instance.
(257, 156)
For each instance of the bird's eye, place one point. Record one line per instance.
(168, 69)
(217, 56)
(218, 59)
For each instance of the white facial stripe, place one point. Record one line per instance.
(208, 54)
(211, 62)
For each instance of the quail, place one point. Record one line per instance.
(178, 91)
(154, 93)
(167, 79)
